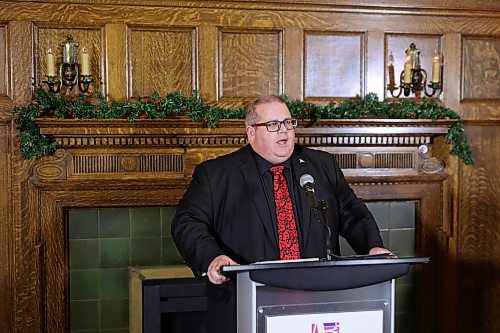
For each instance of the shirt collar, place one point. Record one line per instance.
(263, 165)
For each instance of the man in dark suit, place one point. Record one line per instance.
(228, 216)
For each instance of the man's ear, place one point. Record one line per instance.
(251, 134)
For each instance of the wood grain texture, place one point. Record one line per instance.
(431, 5)
(21, 69)
(479, 232)
(4, 77)
(481, 68)
(293, 59)
(89, 39)
(250, 63)
(5, 231)
(116, 64)
(423, 23)
(163, 61)
(333, 65)
(207, 60)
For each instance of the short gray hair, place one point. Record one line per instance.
(251, 116)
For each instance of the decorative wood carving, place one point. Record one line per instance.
(372, 145)
(428, 163)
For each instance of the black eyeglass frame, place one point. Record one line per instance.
(280, 122)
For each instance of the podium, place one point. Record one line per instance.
(314, 296)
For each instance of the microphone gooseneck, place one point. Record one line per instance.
(319, 209)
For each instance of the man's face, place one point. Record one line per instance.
(275, 147)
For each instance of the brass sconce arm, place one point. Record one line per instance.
(413, 78)
(71, 73)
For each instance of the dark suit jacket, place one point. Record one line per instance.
(225, 211)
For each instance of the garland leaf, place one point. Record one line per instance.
(33, 144)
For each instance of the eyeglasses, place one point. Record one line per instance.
(275, 125)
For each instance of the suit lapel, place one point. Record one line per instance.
(250, 174)
(300, 168)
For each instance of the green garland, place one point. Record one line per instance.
(33, 144)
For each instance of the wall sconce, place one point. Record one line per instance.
(70, 72)
(413, 78)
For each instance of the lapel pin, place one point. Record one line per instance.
(301, 161)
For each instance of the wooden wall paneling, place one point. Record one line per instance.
(479, 5)
(250, 63)
(50, 37)
(397, 45)
(21, 53)
(481, 68)
(162, 60)
(5, 223)
(479, 91)
(23, 308)
(312, 17)
(207, 63)
(6, 102)
(116, 80)
(451, 43)
(4, 73)
(479, 232)
(375, 64)
(333, 65)
(293, 56)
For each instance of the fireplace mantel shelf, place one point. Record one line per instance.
(186, 132)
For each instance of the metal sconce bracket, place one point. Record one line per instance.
(413, 78)
(70, 71)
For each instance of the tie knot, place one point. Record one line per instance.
(277, 169)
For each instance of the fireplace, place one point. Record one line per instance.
(148, 164)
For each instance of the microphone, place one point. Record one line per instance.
(307, 182)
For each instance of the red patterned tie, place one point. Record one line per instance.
(287, 229)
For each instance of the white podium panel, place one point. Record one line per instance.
(345, 322)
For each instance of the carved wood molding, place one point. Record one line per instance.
(173, 147)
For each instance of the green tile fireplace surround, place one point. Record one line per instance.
(105, 242)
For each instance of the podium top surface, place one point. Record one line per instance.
(317, 263)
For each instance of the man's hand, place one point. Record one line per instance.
(214, 273)
(380, 250)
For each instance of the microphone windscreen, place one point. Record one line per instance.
(306, 179)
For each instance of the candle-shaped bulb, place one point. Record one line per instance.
(84, 63)
(390, 67)
(51, 66)
(407, 68)
(436, 67)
